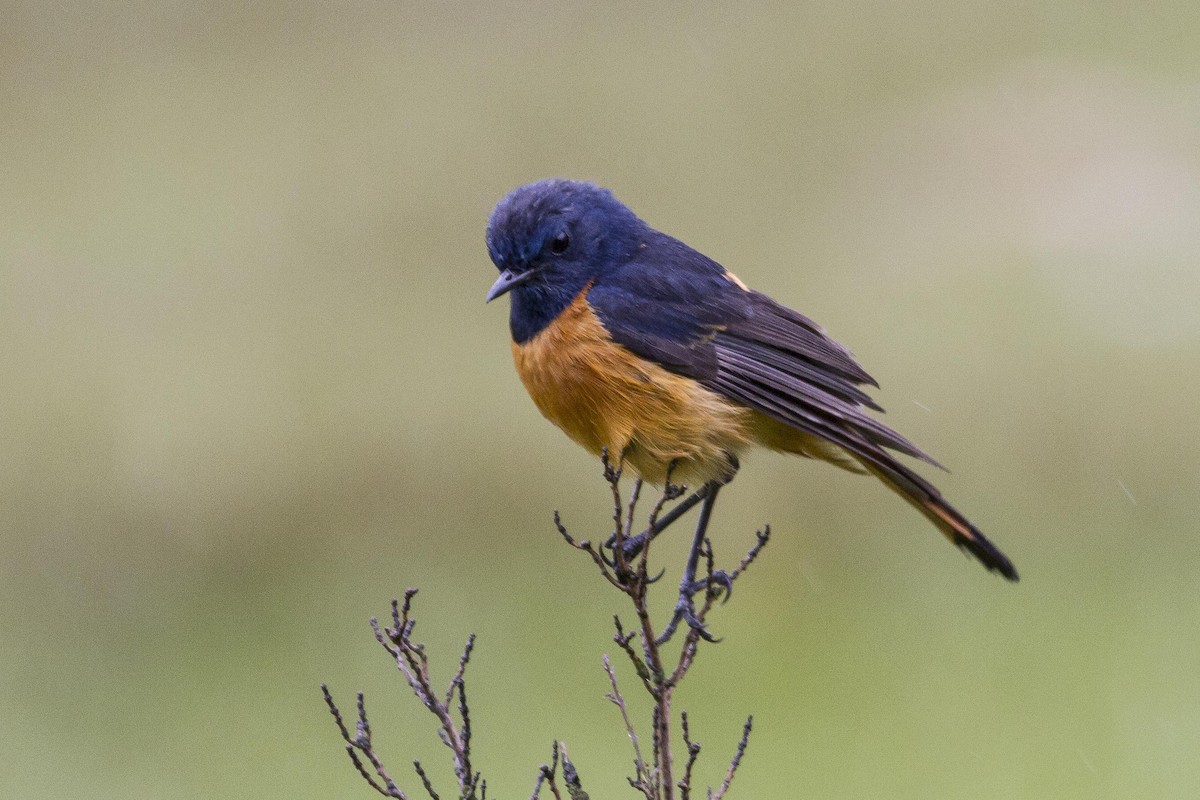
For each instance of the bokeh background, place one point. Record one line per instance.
(251, 390)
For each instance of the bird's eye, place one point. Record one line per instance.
(560, 243)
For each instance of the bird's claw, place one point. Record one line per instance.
(685, 611)
(674, 491)
(720, 582)
(611, 563)
(631, 546)
(631, 549)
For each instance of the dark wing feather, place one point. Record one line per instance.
(798, 369)
(771, 324)
(784, 365)
(666, 305)
(694, 320)
(674, 306)
(806, 374)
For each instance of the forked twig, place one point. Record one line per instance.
(642, 780)
(623, 562)
(361, 743)
(693, 750)
(654, 780)
(546, 775)
(410, 658)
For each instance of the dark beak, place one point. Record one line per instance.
(508, 280)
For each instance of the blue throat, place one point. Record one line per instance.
(535, 305)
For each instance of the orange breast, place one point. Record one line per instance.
(603, 395)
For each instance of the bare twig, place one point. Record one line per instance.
(410, 658)
(612, 474)
(361, 743)
(639, 665)
(587, 547)
(658, 723)
(623, 562)
(619, 701)
(425, 780)
(762, 537)
(670, 493)
(655, 780)
(633, 501)
(693, 750)
(571, 777)
(546, 775)
(735, 763)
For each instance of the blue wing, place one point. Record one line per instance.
(678, 308)
(684, 311)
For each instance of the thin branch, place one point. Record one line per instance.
(546, 775)
(670, 493)
(464, 711)
(425, 780)
(628, 570)
(456, 681)
(411, 660)
(661, 754)
(693, 750)
(633, 501)
(612, 474)
(361, 743)
(623, 640)
(362, 770)
(619, 701)
(571, 778)
(687, 653)
(762, 537)
(736, 762)
(336, 712)
(587, 547)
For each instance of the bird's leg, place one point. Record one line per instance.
(685, 609)
(634, 544)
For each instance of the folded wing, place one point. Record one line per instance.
(742, 344)
(782, 364)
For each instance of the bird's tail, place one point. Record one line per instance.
(924, 497)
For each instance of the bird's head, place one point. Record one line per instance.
(549, 240)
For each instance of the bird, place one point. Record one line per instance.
(633, 343)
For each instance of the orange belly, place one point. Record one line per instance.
(602, 395)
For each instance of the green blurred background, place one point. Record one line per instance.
(251, 390)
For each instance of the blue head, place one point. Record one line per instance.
(549, 240)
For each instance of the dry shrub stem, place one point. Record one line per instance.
(409, 657)
(623, 561)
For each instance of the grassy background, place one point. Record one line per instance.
(251, 390)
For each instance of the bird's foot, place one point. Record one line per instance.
(632, 547)
(685, 611)
(720, 582)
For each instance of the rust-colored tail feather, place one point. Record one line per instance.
(923, 496)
